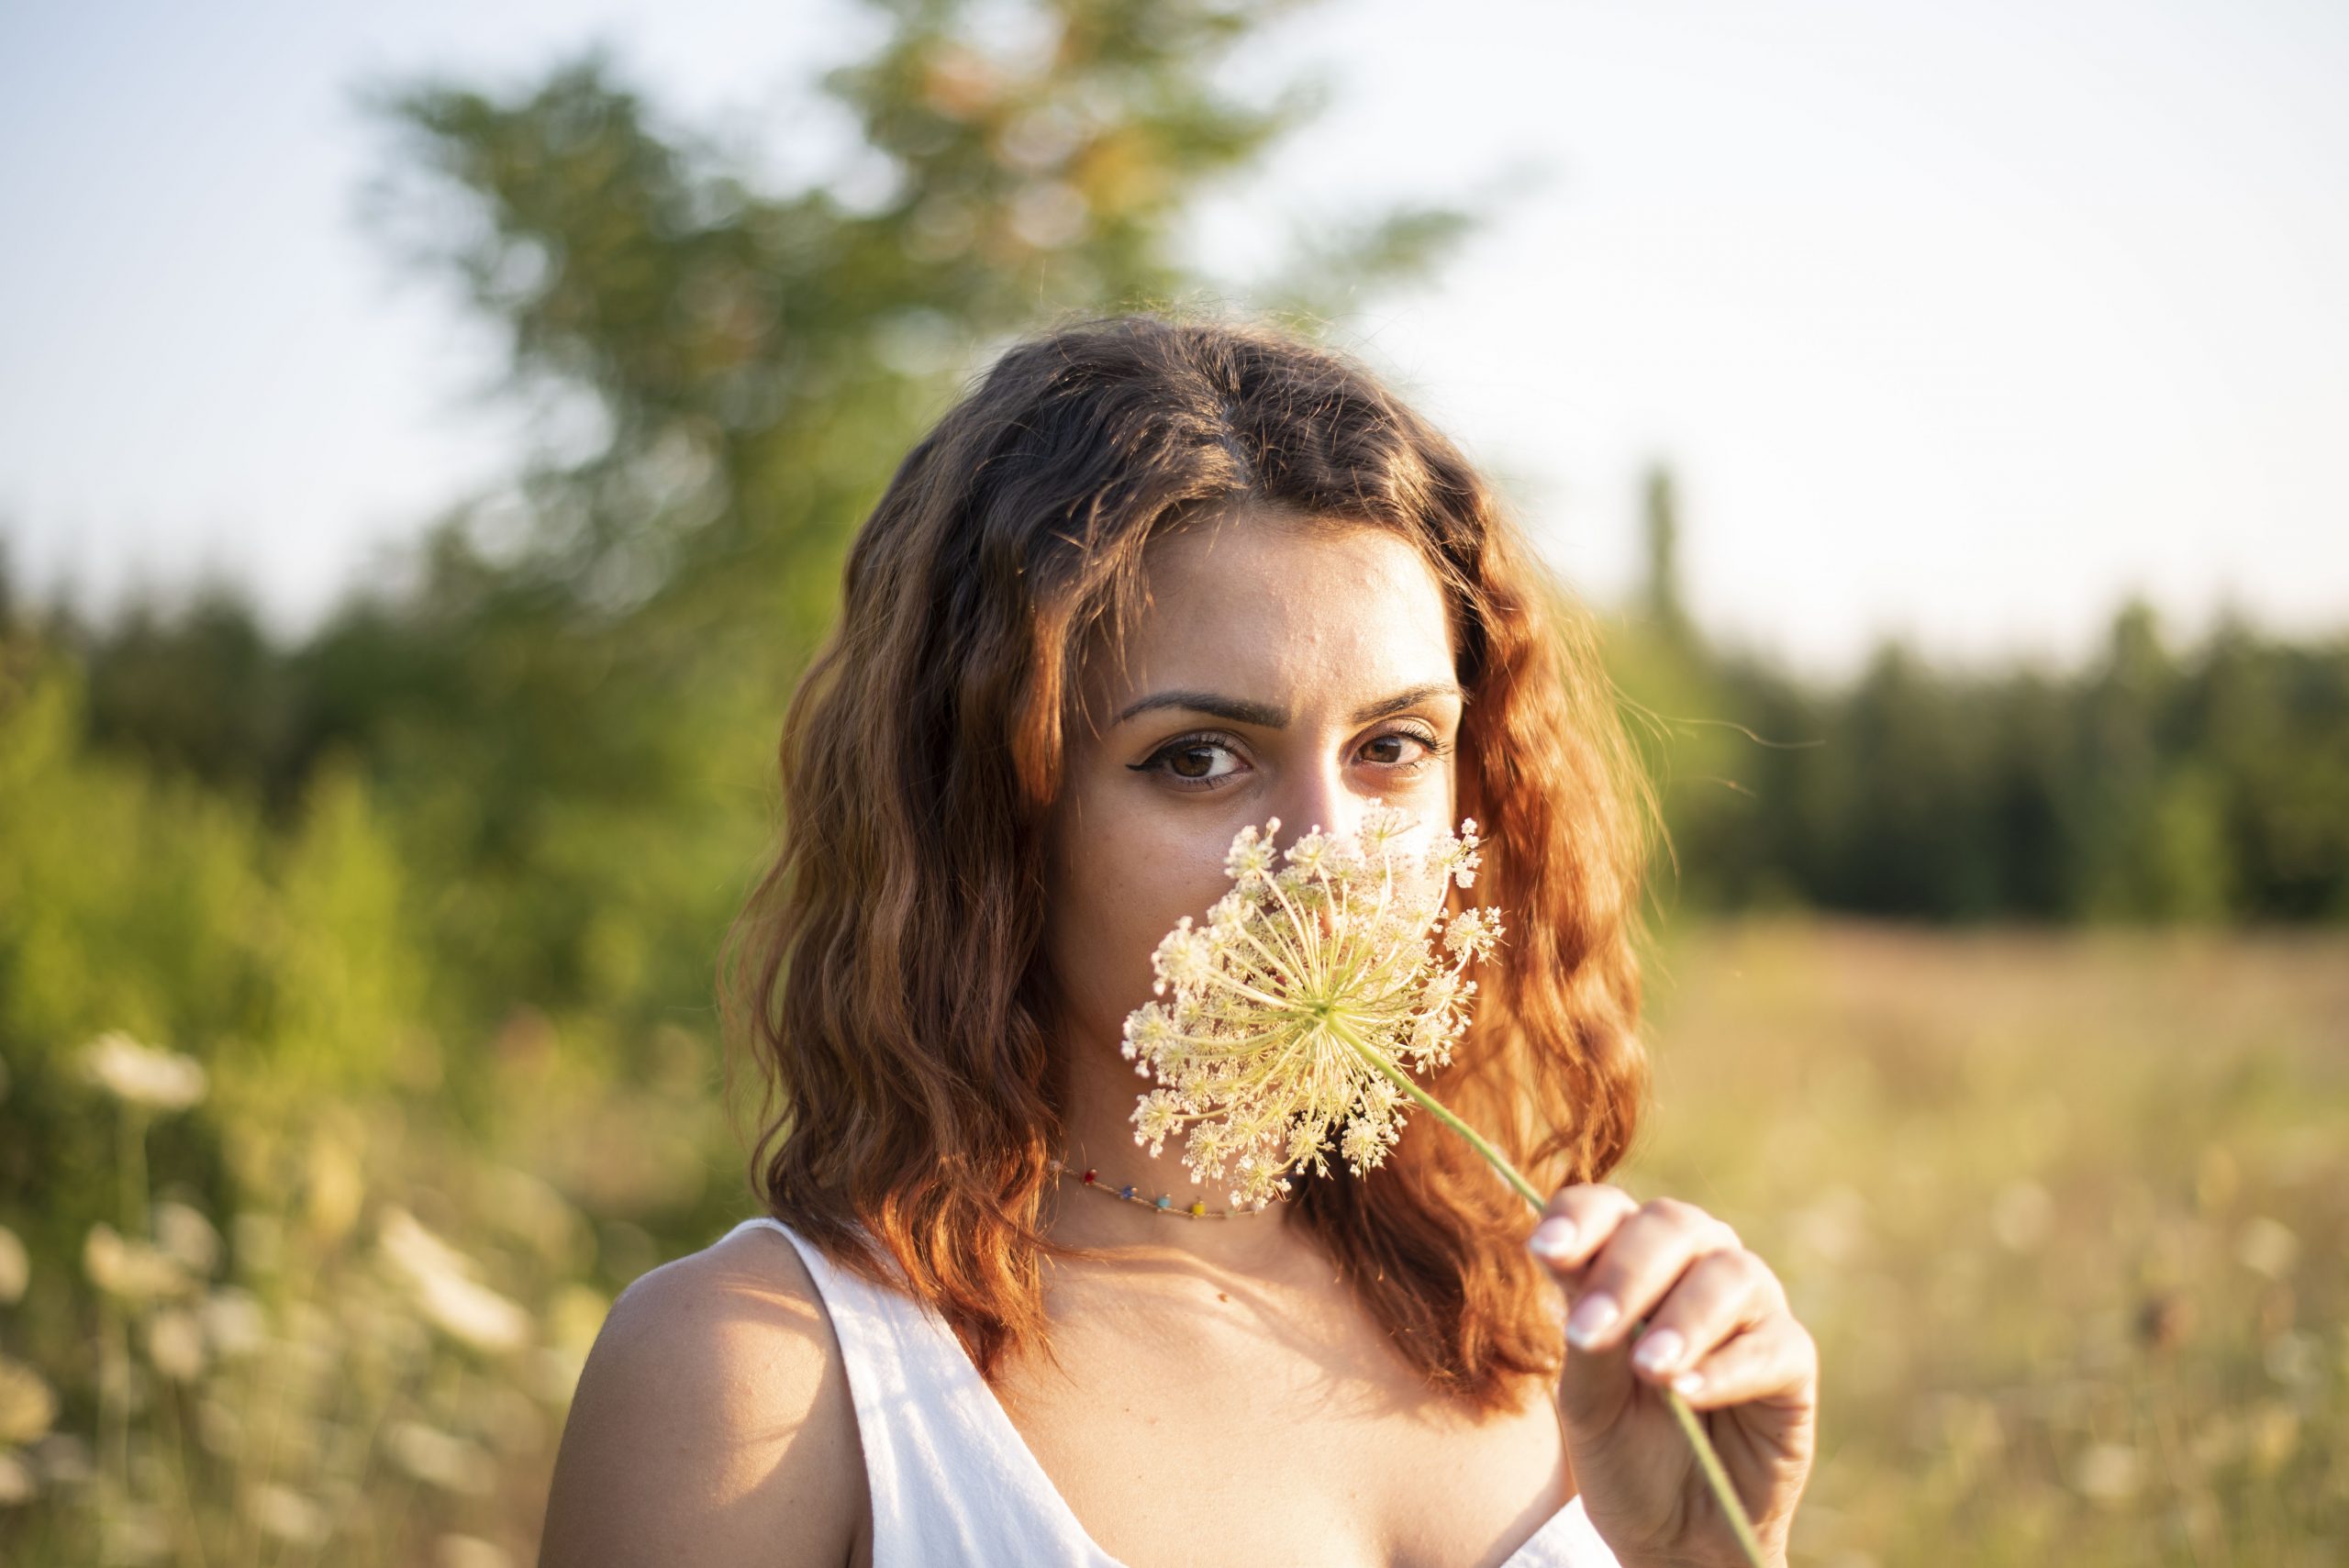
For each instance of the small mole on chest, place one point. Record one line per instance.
(1220, 1297)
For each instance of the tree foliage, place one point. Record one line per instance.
(2153, 785)
(550, 733)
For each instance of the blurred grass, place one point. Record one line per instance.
(2066, 1213)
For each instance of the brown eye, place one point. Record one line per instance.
(1429, 749)
(1195, 761)
(1192, 762)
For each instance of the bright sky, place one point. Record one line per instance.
(1959, 322)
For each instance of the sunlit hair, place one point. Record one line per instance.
(888, 977)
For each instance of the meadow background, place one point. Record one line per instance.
(356, 1036)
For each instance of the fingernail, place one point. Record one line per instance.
(1687, 1383)
(1553, 1238)
(1592, 1317)
(1659, 1350)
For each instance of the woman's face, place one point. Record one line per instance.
(1281, 668)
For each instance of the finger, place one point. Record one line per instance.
(1639, 1265)
(1775, 1359)
(1718, 1295)
(1595, 1388)
(1578, 1220)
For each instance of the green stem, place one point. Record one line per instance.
(134, 1173)
(114, 1330)
(1710, 1462)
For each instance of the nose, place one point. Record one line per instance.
(1320, 796)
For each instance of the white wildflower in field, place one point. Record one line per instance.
(440, 1459)
(27, 1404)
(440, 1279)
(142, 1076)
(176, 1344)
(234, 1320)
(187, 1236)
(281, 1511)
(128, 1268)
(1315, 986)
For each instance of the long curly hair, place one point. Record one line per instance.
(887, 975)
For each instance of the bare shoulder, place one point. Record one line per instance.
(713, 1423)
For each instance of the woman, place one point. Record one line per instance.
(1151, 580)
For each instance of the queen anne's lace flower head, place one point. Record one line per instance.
(1314, 981)
(143, 1075)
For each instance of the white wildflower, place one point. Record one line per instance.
(27, 1404)
(176, 1344)
(17, 1482)
(1310, 989)
(440, 1459)
(187, 1236)
(234, 1322)
(1184, 957)
(142, 1076)
(443, 1282)
(1249, 860)
(1472, 930)
(289, 1516)
(132, 1270)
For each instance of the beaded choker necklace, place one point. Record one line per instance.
(1165, 1201)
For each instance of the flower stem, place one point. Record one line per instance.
(1710, 1462)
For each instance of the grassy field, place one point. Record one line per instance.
(2067, 1214)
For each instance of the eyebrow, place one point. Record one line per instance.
(1268, 715)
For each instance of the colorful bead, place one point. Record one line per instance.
(1196, 1209)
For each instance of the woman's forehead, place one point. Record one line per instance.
(1281, 615)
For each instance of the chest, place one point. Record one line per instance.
(1218, 1422)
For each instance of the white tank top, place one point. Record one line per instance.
(954, 1485)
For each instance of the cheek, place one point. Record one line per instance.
(1120, 884)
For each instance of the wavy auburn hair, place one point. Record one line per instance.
(887, 974)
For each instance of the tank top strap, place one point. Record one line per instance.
(947, 1487)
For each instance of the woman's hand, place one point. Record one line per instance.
(1713, 1310)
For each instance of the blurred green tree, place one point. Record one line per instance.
(511, 792)
(571, 705)
(2153, 785)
